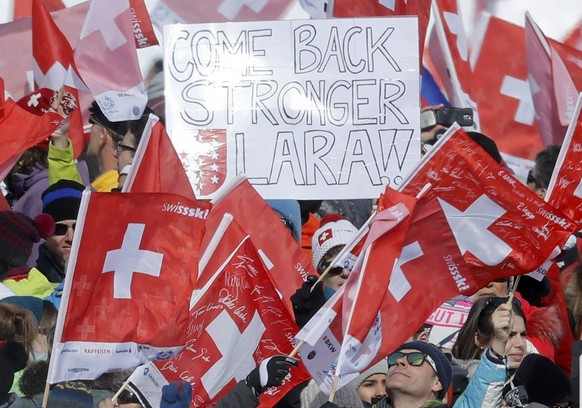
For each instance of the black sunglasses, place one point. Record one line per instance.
(414, 358)
(532, 180)
(335, 271)
(121, 147)
(502, 280)
(62, 229)
(128, 397)
(497, 301)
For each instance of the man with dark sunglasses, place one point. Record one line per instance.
(419, 375)
(126, 147)
(61, 201)
(101, 148)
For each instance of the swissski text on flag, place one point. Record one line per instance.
(107, 60)
(475, 223)
(129, 283)
(236, 321)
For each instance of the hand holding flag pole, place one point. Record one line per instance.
(513, 290)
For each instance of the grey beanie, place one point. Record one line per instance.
(345, 397)
(381, 367)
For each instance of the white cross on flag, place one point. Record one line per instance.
(449, 53)
(565, 188)
(502, 91)
(237, 320)
(287, 265)
(107, 60)
(474, 223)
(129, 280)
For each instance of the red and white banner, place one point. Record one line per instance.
(236, 321)
(156, 167)
(54, 69)
(574, 39)
(20, 130)
(107, 60)
(502, 91)
(218, 11)
(16, 43)
(449, 52)
(565, 188)
(474, 223)
(553, 91)
(286, 263)
(366, 286)
(129, 283)
(141, 25)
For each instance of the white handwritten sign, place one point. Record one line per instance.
(306, 109)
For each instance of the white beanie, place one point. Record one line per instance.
(334, 231)
(381, 367)
(345, 397)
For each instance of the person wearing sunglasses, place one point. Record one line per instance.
(61, 201)
(498, 287)
(126, 147)
(538, 179)
(491, 345)
(418, 375)
(334, 233)
(101, 148)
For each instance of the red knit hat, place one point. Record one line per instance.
(17, 234)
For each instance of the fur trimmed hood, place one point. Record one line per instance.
(545, 323)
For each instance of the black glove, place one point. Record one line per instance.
(305, 302)
(271, 372)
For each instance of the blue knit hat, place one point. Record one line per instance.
(62, 200)
(289, 210)
(32, 303)
(444, 370)
(70, 394)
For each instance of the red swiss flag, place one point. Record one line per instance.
(502, 91)
(237, 320)
(112, 286)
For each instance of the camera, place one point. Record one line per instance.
(446, 117)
